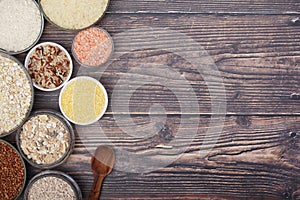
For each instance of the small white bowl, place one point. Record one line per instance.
(64, 50)
(105, 100)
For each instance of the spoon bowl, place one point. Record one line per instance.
(102, 163)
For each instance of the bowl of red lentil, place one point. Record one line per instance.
(16, 95)
(46, 139)
(49, 65)
(12, 172)
(92, 47)
(50, 184)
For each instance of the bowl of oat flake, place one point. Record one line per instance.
(46, 139)
(16, 94)
(49, 65)
(49, 185)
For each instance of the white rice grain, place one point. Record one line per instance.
(20, 25)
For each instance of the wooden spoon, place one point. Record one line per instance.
(102, 164)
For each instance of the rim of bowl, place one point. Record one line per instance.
(57, 174)
(66, 52)
(90, 66)
(25, 170)
(105, 96)
(64, 158)
(49, 20)
(32, 93)
(37, 39)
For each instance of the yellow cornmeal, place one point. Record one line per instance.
(82, 101)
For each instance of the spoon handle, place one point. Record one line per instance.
(96, 189)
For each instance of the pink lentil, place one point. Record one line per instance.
(92, 47)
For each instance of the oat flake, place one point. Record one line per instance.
(44, 139)
(15, 94)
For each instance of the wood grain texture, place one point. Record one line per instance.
(257, 57)
(256, 46)
(254, 158)
(202, 6)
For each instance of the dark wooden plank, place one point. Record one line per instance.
(202, 6)
(258, 62)
(254, 158)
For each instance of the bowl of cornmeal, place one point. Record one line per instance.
(83, 100)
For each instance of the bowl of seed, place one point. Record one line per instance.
(49, 65)
(21, 26)
(49, 185)
(46, 139)
(73, 14)
(12, 171)
(83, 100)
(16, 94)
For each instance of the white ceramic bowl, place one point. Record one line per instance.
(68, 56)
(104, 108)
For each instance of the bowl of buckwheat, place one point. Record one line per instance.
(49, 65)
(46, 139)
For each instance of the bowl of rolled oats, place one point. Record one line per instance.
(46, 139)
(49, 65)
(16, 94)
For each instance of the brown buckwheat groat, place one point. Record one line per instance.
(12, 172)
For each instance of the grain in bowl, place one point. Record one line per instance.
(83, 100)
(46, 139)
(49, 65)
(73, 14)
(49, 185)
(12, 172)
(16, 94)
(21, 26)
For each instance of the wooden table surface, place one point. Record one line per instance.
(255, 45)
